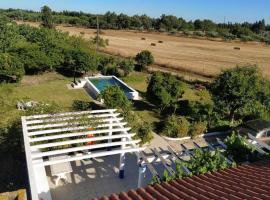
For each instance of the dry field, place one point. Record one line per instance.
(199, 56)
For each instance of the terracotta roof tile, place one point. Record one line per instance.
(244, 182)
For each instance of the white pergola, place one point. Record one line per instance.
(80, 135)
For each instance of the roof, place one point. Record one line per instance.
(244, 182)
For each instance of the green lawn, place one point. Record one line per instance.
(52, 87)
(53, 90)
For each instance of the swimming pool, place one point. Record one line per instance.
(97, 84)
(102, 83)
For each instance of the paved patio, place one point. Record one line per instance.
(99, 177)
(96, 177)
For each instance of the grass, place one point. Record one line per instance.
(148, 112)
(137, 80)
(53, 90)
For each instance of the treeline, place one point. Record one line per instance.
(30, 50)
(166, 23)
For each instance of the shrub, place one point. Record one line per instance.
(144, 58)
(238, 149)
(43, 108)
(114, 97)
(176, 127)
(206, 161)
(246, 38)
(79, 105)
(145, 132)
(11, 66)
(199, 33)
(101, 42)
(198, 128)
(127, 66)
(212, 34)
(111, 70)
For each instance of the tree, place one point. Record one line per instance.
(114, 97)
(144, 58)
(34, 59)
(164, 90)
(8, 37)
(236, 88)
(80, 59)
(47, 18)
(11, 67)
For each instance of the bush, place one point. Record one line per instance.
(198, 128)
(144, 58)
(114, 97)
(199, 33)
(11, 66)
(101, 42)
(79, 105)
(246, 38)
(212, 34)
(43, 108)
(176, 127)
(145, 132)
(238, 149)
(111, 71)
(127, 66)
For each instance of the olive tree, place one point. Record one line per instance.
(234, 89)
(164, 90)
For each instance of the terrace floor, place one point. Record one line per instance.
(95, 178)
(99, 176)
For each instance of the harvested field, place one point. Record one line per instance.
(201, 56)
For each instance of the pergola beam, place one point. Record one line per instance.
(68, 142)
(44, 126)
(39, 121)
(70, 113)
(77, 134)
(90, 155)
(82, 148)
(67, 129)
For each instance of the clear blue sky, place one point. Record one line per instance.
(232, 10)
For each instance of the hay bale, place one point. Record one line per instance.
(160, 41)
(236, 48)
(153, 44)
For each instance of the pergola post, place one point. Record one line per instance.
(110, 133)
(142, 170)
(122, 161)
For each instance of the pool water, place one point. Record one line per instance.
(102, 83)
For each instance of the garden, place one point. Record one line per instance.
(36, 64)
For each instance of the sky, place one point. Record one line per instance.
(216, 10)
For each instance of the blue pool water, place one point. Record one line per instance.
(102, 83)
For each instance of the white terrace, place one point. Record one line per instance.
(57, 142)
